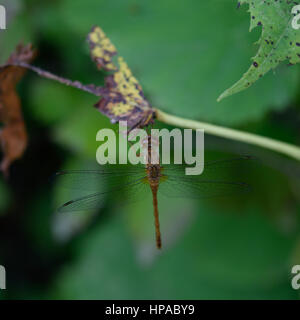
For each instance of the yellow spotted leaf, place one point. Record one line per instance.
(122, 98)
(102, 50)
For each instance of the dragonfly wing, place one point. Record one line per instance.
(191, 187)
(95, 180)
(92, 201)
(218, 169)
(216, 180)
(129, 192)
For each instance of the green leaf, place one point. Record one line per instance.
(184, 54)
(68, 101)
(78, 131)
(221, 256)
(279, 41)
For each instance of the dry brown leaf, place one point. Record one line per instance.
(13, 136)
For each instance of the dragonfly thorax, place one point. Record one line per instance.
(153, 173)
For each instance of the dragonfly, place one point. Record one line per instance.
(168, 180)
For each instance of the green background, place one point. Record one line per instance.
(184, 53)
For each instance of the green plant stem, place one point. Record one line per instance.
(268, 143)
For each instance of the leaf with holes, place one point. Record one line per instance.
(279, 41)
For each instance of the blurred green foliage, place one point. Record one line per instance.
(184, 53)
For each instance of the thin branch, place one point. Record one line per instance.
(268, 143)
(90, 88)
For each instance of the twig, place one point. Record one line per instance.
(90, 88)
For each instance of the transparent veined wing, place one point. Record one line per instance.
(218, 168)
(192, 187)
(217, 179)
(91, 180)
(121, 182)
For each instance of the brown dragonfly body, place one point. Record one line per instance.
(154, 175)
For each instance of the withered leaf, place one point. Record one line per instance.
(122, 97)
(13, 136)
(102, 50)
